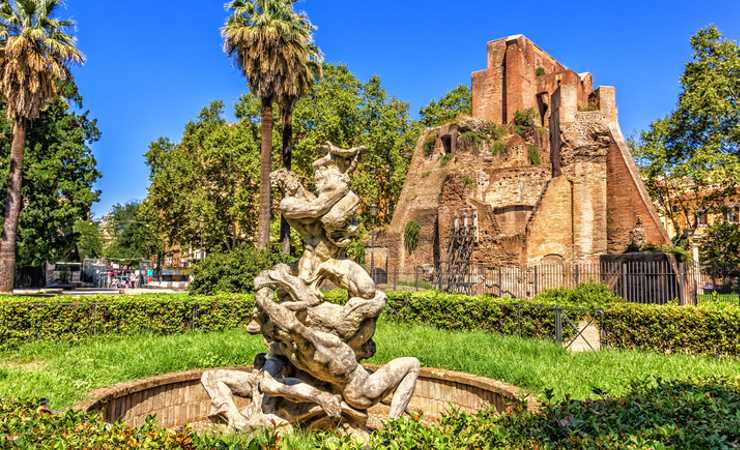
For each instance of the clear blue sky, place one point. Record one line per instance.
(152, 65)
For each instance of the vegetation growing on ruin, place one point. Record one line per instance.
(498, 148)
(411, 236)
(467, 182)
(458, 102)
(430, 142)
(539, 71)
(534, 155)
(524, 122)
(446, 158)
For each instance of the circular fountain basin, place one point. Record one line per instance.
(179, 399)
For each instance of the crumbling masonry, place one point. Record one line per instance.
(559, 188)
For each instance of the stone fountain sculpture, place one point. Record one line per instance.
(311, 374)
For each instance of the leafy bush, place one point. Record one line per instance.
(539, 71)
(534, 155)
(654, 414)
(232, 271)
(430, 142)
(706, 329)
(411, 235)
(524, 121)
(26, 319)
(587, 295)
(446, 158)
(498, 148)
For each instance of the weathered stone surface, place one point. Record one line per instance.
(311, 374)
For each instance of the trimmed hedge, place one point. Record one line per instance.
(653, 414)
(712, 330)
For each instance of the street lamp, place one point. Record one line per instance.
(372, 211)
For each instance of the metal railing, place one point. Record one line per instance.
(650, 282)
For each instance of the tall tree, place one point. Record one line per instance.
(267, 38)
(305, 70)
(690, 160)
(35, 51)
(58, 180)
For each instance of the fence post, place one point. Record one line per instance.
(536, 282)
(558, 326)
(395, 279)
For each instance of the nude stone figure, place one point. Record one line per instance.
(311, 375)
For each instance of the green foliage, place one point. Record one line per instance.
(690, 160)
(587, 295)
(90, 241)
(133, 235)
(233, 271)
(467, 182)
(430, 142)
(706, 329)
(653, 414)
(411, 235)
(680, 253)
(445, 159)
(720, 250)
(539, 71)
(498, 148)
(58, 179)
(204, 190)
(455, 103)
(471, 138)
(524, 122)
(534, 155)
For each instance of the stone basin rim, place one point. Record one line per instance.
(103, 395)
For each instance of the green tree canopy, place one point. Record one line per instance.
(690, 160)
(58, 180)
(457, 102)
(720, 250)
(205, 189)
(131, 233)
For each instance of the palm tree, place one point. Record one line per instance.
(269, 41)
(305, 69)
(35, 51)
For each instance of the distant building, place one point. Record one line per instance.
(561, 189)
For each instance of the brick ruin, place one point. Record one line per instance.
(539, 174)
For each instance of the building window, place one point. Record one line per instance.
(701, 218)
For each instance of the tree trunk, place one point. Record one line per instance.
(263, 239)
(287, 156)
(12, 208)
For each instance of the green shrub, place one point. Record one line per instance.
(471, 138)
(446, 158)
(710, 329)
(467, 182)
(534, 155)
(654, 414)
(587, 295)
(233, 271)
(539, 71)
(430, 142)
(498, 148)
(524, 121)
(411, 236)
(73, 319)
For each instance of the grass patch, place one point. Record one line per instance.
(67, 372)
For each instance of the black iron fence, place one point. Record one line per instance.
(654, 282)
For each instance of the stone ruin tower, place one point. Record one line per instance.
(539, 174)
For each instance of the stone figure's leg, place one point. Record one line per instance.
(399, 375)
(221, 386)
(297, 391)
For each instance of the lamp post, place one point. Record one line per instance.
(372, 211)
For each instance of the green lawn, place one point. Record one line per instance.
(66, 373)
